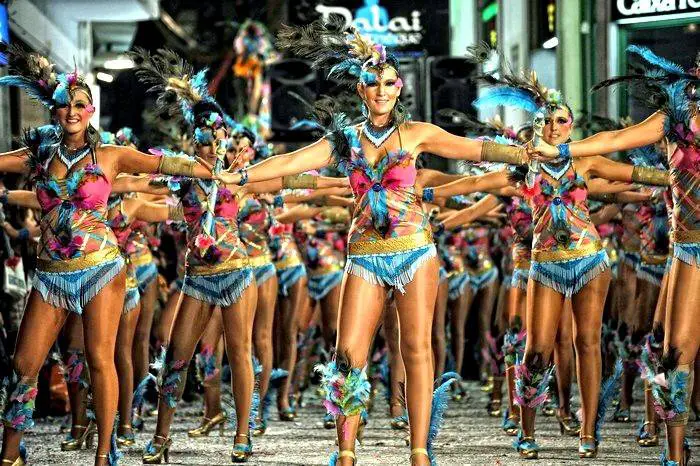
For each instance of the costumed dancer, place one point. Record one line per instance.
(390, 243)
(80, 268)
(671, 90)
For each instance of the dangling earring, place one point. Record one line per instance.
(365, 110)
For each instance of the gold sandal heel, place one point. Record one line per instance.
(207, 425)
(347, 454)
(419, 451)
(18, 462)
(75, 444)
(241, 451)
(155, 454)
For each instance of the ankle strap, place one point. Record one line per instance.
(245, 436)
(420, 451)
(160, 436)
(346, 454)
(586, 437)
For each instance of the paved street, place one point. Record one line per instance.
(469, 437)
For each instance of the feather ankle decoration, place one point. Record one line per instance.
(532, 384)
(607, 393)
(18, 400)
(347, 389)
(205, 362)
(441, 397)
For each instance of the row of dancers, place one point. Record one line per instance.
(376, 230)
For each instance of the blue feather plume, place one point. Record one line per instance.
(31, 87)
(306, 125)
(656, 60)
(141, 391)
(607, 392)
(350, 66)
(441, 396)
(199, 83)
(648, 156)
(508, 97)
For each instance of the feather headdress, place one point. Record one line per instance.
(125, 137)
(34, 74)
(340, 48)
(521, 90)
(253, 39)
(180, 89)
(664, 86)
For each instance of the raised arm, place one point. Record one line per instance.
(127, 160)
(15, 161)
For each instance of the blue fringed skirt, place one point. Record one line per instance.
(289, 276)
(458, 284)
(221, 289)
(320, 285)
(569, 276)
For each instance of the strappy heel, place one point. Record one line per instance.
(260, 427)
(288, 415)
(209, 424)
(155, 454)
(87, 437)
(128, 439)
(242, 451)
(510, 424)
(526, 446)
(568, 425)
(328, 421)
(646, 439)
(18, 462)
(588, 447)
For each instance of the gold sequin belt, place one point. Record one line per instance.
(288, 262)
(144, 258)
(131, 282)
(259, 261)
(324, 270)
(566, 254)
(654, 259)
(79, 263)
(688, 236)
(522, 263)
(222, 267)
(391, 245)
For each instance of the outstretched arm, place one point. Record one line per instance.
(647, 132)
(313, 157)
(20, 198)
(471, 213)
(15, 161)
(136, 184)
(128, 160)
(472, 184)
(616, 171)
(603, 186)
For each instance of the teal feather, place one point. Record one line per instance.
(31, 87)
(607, 392)
(653, 59)
(508, 97)
(441, 396)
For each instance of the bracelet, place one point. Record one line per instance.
(494, 152)
(652, 176)
(171, 165)
(564, 150)
(302, 181)
(244, 176)
(428, 194)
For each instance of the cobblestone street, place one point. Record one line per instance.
(469, 437)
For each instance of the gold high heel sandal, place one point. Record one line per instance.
(127, 439)
(155, 454)
(419, 451)
(588, 447)
(208, 425)
(567, 426)
(75, 444)
(241, 451)
(18, 462)
(649, 440)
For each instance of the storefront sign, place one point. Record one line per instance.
(632, 11)
(405, 26)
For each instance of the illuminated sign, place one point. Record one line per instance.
(634, 11)
(4, 32)
(399, 24)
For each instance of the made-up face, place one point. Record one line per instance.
(558, 126)
(381, 94)
(74, 117)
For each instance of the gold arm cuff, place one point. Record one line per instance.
(176, 213)
(144, 258)
(288, 262)
(302, 181)
(494, 152)
(227, 266)
(654, 259)
(688, 236)
(391, 245)
(71, 265)
(652, 176)
(566, 254)
(259, 261)
(182, 166)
